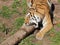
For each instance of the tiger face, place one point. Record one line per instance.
(33, 18)
(39, 4)
(36, 13)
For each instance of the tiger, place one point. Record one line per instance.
(39, 16)
(49, 2)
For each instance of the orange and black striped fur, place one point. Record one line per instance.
(39, 16)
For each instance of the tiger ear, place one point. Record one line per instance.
(30, 3)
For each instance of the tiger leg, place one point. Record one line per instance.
(43, 31)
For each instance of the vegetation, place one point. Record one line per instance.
(58, 25)
(58, 0)
(5, 12)
(30, 40)
(24, 6)
(16, 4)
(3, 28)
(17, 24)
(12, 12)
(56, 39)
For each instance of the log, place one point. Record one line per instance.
(19, 35)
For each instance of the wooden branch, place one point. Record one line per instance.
(18, 36)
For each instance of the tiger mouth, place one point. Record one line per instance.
(32, 24)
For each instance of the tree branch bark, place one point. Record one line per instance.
(19, 35)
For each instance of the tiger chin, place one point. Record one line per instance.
(39, 16)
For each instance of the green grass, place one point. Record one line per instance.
(59, 1)
(58, 25)
(5, 12)
(56, 39)
(24, 10)
(29, 41)
(16, 4)
(17, 24)
(3, 28)
(24, 6)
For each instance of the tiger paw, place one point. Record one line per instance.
(39, 36)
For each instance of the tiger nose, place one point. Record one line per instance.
(26, 23)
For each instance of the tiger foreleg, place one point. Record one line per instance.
(43, 31)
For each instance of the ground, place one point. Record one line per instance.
(12, 14)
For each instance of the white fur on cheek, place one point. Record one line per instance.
(35, 19)
(38, 18)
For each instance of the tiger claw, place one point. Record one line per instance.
(39, 36)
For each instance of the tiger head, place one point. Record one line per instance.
(37, 11)
(33, 18)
